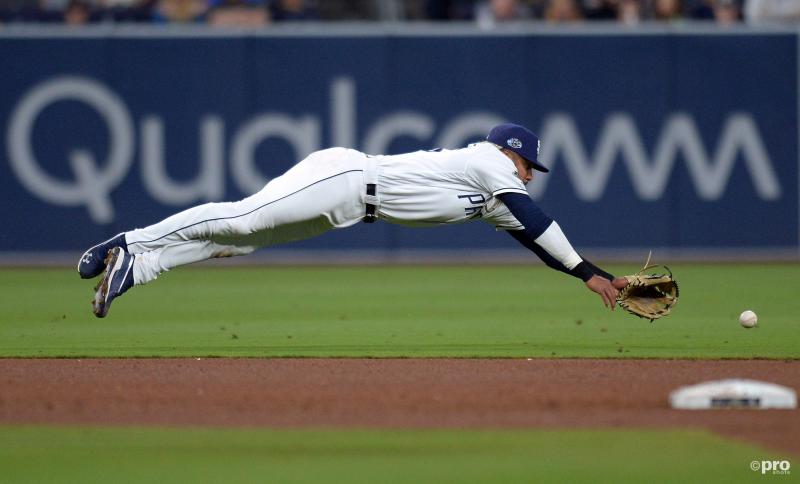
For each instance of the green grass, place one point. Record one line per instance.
(120, 455)
(397, 311)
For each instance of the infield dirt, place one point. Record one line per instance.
(397, 393)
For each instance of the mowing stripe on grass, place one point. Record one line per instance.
(102, 455)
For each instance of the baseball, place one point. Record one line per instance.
(748, 319)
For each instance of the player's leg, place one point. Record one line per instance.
(195, 242)
(318, 194)
(198, 223)
(323, 191)
(92, 262)
(124, 270)
(139, 256)
(231, 220)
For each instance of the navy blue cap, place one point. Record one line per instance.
(520, 140)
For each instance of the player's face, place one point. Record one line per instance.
(524, 169)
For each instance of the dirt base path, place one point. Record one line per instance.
(387, 393)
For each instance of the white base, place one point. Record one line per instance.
(733, 393)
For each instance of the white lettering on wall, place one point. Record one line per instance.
(619, 140)
(208, 185)
(94, 181)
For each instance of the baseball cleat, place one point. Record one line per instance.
(92, 262)
(117, 279)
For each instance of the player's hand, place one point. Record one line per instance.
(606, 289)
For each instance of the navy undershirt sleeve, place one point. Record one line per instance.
(536, 222)
(527, 212)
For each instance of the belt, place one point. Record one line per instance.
(370, 216)
(371, 200)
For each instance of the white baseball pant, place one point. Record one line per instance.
(325, 190)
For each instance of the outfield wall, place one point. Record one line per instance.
(684, 140)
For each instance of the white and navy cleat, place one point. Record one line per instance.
(117, 279)
(92, 262)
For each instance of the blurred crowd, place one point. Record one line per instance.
(486, 13)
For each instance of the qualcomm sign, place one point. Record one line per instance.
(94, 180)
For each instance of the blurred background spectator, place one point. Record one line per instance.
(667, 10)
(238, 13)
(771, 11)
(77, 12)
(629, 12)
(179, 11)
(600, 9)
(449, 9)
(294, 10)
(562, 11)
(131, 10)
(489, 14)
(726, 12)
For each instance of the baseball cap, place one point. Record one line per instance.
(520, 140)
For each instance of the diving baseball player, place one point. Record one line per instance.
(337, 188)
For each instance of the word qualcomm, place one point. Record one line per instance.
(94, 181)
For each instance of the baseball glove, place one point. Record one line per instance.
(649, 296)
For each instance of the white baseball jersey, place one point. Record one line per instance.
(428, 188)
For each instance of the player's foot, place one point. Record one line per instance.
(92, 262)
(117, 279)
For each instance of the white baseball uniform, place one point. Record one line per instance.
(328, 190)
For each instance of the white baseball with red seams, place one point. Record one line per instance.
(748, 319)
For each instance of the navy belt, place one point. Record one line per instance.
(370, 216)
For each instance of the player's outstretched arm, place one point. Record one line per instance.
(600, 281)
(544, 237)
